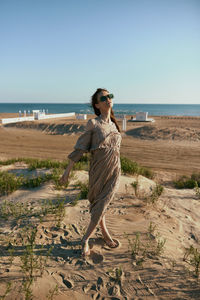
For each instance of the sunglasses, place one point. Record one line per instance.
(104, 98)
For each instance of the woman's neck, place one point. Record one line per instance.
(105, 116)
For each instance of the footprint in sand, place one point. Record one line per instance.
(63, 241)
(95, 258)
(66, 282)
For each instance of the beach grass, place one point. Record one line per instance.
(146, 245)
(131, 167)
(128, 166)
(192, 256)
(156, 193)
(84, 189)
(188, 182)
(10, 182)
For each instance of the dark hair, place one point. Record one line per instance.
(97, 112)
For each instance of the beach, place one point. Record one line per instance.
(170, 144)
(154, 234)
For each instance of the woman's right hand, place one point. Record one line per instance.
(64, 179)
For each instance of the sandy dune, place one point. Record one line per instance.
(174, 217)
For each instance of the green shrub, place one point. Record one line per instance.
(9, 182)
(46, 163)
(130, 167)
(34, 163)
(81, 165)
(196, 177)
(156, 193)
(84, 188)
(152, 244)
(85, 158)
(186, 182)
(55, 176)
(36, 181)
(13, 209)
(7, 162)
(197, 189)
(192, 256)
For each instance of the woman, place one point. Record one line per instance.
(102, 138)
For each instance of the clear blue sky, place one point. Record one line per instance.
(144, 51)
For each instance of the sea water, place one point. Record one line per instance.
(122, 109)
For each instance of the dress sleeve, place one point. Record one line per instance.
(83, 143)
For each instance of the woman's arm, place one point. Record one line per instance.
(65, 177)
(82, 146)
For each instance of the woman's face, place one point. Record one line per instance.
(104, 106)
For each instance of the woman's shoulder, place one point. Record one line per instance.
(91, 123)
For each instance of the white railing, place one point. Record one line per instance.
(52, 116)
(36, 117)
(15, 120)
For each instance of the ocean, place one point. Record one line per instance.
(122, 109)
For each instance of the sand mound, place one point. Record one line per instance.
(147, 132)
(106, 273)
(154, 133)
(50, 128)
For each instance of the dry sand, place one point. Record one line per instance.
(170, 146)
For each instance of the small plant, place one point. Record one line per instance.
(116, 275)
(52, 292)
(188, 182)
(130, 167)
(134, 245)
(156, 193)
(26, 288)
(151, 228)
(31, 264)
(59, 210)
(56, 208)
(10, 161)
(9, 183)
(194, 259)
(55, 176)
(152, 245)
(45, 163)
(84, 188)
(28, 259)
(135, 186)
(197, 189)
(81, 165)
(11, 255)
(12, 209)
(36, 181)
(75, 201)
(160, 243)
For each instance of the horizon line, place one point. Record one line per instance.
(90, 103)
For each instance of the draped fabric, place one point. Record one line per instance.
(103, 140)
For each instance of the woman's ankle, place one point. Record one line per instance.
(85, 240)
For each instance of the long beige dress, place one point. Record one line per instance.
(103, 140)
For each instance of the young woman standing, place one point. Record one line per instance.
(102, 139)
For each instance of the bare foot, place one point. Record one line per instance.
(85, 248)
(112, 243)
